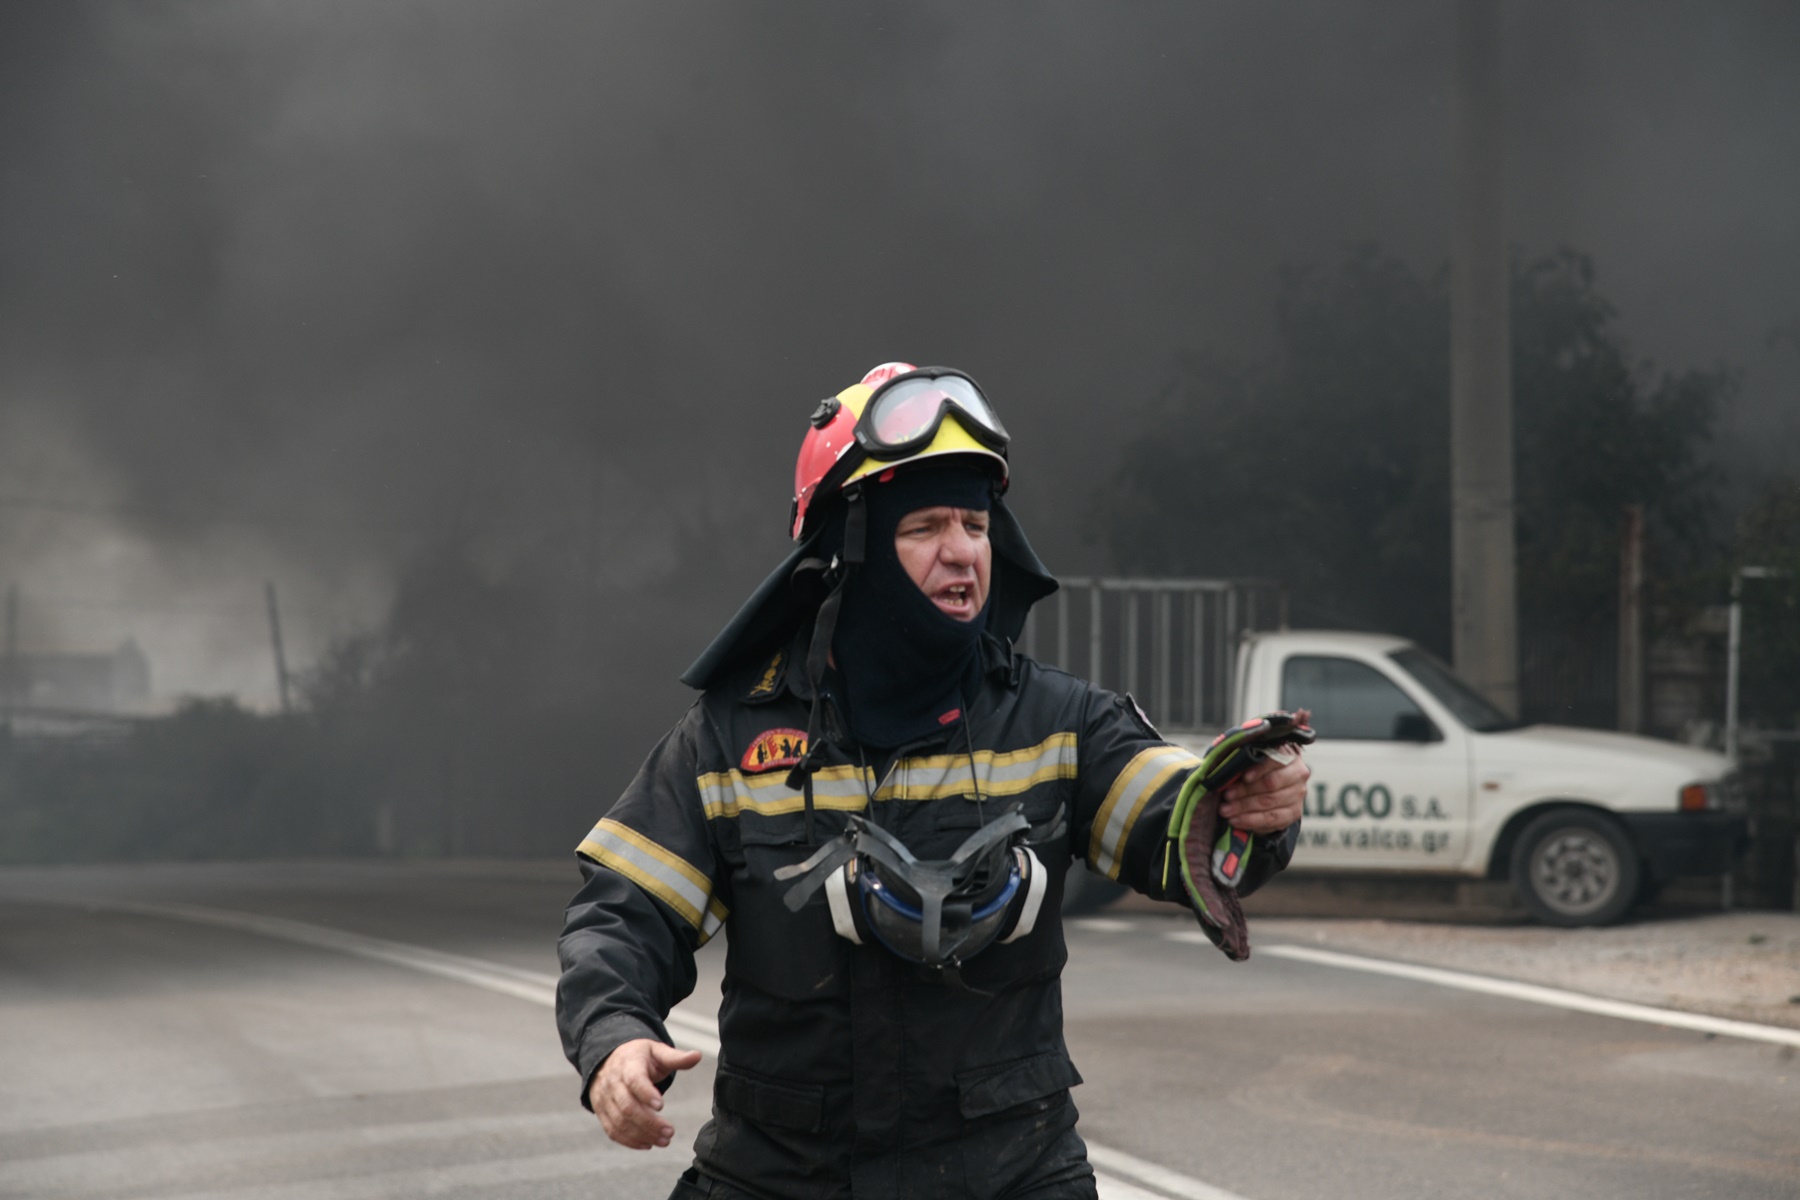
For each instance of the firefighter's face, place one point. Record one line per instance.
(946, 552)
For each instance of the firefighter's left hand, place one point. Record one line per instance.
(1267, 798)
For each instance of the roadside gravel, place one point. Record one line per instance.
(1744, 965)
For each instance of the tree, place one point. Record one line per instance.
(1323, 467)
(1326, 465)
(1593, 433)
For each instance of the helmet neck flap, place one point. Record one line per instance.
(790, 596)
(906, 666)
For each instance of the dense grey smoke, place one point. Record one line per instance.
(311, 292)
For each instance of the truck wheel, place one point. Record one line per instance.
(1574, 868)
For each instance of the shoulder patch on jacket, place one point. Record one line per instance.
(768, 680)
(775, 748)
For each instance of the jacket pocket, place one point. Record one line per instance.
(788, 828)
(781, 1105)
(984, 1091)
(792, 955)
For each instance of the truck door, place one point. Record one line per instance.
(1390, 779)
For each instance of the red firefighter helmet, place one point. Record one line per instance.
(895, 415)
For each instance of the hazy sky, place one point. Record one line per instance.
(295, 291)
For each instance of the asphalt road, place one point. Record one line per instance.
(302, 1032)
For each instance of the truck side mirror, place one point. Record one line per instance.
(1415, 727)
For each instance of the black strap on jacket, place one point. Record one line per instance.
(818, 654)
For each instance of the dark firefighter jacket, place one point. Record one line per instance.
(846, 1071)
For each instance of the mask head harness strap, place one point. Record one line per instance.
(941, 929)
(818, 654)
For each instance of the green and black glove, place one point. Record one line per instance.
(1213, 861)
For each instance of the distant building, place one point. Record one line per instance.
(115, 683)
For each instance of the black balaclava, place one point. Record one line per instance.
(905, 664)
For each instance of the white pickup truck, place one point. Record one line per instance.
(1415, 772)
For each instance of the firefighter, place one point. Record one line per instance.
(878, 796)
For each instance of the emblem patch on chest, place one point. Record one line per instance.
(775, 748)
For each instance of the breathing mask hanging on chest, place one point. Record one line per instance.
(938, 913)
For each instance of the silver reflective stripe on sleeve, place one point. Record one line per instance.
(837, 895)
(659, 871)
(1133, 786)
(1034, 898)
(713, 921)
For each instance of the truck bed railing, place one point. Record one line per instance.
(1169, 642)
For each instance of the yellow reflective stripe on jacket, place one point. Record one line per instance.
(731, 793)
(663, 874)
(1004, 773)
(1133, 786)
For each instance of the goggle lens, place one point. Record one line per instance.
(911, 408)
(908, 411)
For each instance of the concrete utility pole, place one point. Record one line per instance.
(1484, 591)
(1631, 621)
(1734, 648)
(281, 671)
(10, 681)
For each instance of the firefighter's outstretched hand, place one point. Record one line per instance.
(624, 1094)
(1267, 797)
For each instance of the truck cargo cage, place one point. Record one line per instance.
(1171, 643)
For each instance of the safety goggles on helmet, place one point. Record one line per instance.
(936, 913)
(904, 414)
(895, 416)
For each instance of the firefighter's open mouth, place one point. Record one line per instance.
(957, 600)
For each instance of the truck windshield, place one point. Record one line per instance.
(1470, 707)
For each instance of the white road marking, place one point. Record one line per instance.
(535, 986)
(1172, 1182)
(490, 1177)
(1103, 924)
(154, 1171)
(701, 1031)
(495, 977)
(1536, 994)
(1117, 1189)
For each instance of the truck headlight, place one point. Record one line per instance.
(1721, 795)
